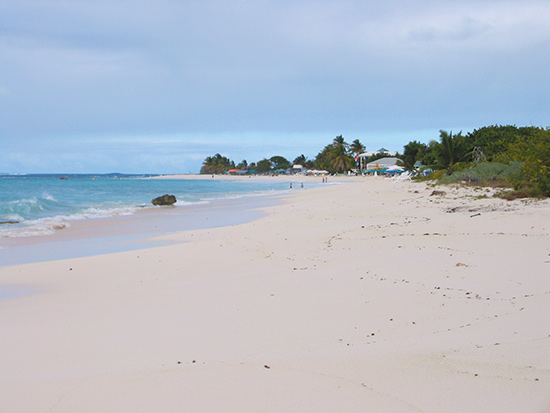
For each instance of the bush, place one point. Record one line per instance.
(534, 153)
(458, 167)
(523, 191)
(434, 176)
(486, 172)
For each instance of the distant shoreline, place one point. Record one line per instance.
(293, 178)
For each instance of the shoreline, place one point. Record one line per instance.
(98, 236)
(293, 178)
(377, 295)
(103, 235)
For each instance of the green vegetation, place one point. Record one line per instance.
(507, 156)
(495, 140)
(336, 157)
(356, 147)
(415, 152)
(450, 150)
(303, 161)
(534, 153)
(487, 173)
(278, 162)
(216, 164)
(492, 155)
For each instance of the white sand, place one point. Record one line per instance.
(369, 296)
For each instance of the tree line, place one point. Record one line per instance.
(336, 157)
(509, 146)
(527, 146)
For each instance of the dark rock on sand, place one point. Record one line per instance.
(164, 200)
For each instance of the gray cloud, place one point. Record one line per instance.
(187, 68)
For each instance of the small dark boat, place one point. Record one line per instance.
(64, 177)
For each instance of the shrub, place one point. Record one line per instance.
(434, 176)
(534, 153)
(484, 173)
(523, 191)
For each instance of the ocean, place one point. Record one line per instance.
(52, 217)
(33, 205)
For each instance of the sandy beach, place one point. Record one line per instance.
(372, 295)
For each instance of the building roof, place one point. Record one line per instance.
(383, 163)
(378, 152)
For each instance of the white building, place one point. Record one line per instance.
(381, 164)
(361, 159)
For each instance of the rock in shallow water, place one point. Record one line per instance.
(164, 200)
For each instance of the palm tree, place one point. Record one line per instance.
(216, 164)
(338, 158)
(339, 141)
(451, 149)
(300, 160)
(357, 147)
(243, 165)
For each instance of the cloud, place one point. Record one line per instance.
(489, 26)
(466, 29)
(223, 70)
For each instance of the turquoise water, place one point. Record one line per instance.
(41, 204)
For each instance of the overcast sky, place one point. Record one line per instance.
(155, 86)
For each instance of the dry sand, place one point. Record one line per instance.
(369, 296)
